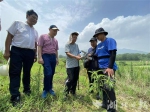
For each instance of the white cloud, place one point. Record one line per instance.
(132, 32)
(62, 15)
(8, 15)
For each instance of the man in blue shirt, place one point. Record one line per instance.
(106, 53)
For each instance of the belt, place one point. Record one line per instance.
(23, 48)
(50, 53)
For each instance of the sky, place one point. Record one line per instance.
(127, 21)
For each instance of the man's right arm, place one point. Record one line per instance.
(40, 59)
(70, 55)
(7, 45)
(40, 47)
(73, 56)
(39, 51)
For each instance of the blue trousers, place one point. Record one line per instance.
(49, 70)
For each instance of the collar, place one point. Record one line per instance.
(50, 36)
(28, 24)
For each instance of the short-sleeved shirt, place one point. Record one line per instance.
(49, 45)
(103, 49)
(24, 35)
(73, 49)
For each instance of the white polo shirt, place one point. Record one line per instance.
(24, 35)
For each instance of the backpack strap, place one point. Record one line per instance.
(102, 57)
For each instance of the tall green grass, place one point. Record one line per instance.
(133, 86)
(130, 89)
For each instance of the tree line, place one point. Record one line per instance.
(132, 57)
(119, 57)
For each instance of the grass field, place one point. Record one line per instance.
(132, 91)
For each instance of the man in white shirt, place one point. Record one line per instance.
(23, 40)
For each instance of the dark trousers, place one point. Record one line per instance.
(49, 70)
(91, 80)
(19, 58)
(71, 81)
(109, 97)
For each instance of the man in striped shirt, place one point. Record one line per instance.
(72, 64)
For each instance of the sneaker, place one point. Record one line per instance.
(44, 94)
(52, 92)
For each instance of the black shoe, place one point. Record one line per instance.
(27, 92)
(15, 100)
(98, 97)
(72, 92)
(104, 106)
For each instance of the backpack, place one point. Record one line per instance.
(94, 61)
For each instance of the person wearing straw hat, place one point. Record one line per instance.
(22, 37)
(106, 53)
(72, 64)
(48, 57)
